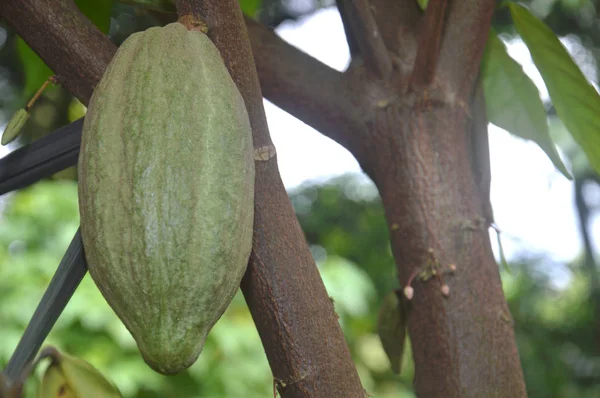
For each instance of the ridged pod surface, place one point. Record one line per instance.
(166, 191)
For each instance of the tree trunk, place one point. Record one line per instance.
(427, 153)
(463, 344)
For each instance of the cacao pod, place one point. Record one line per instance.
(166, 191)
(14, 126)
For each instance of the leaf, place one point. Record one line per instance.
(576, 101)
(98, 11)
(503, 261)
(391, 328)
(36, 71)
(250, 7)
(513, 101)
(166, 6)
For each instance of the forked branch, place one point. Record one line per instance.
(366, 34)
(306, 88)
(467, 30)
(428, 49)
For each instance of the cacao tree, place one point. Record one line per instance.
(411, 107)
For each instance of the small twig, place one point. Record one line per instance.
(35, 97)
(367, 36)
(428, 49)
(465, 33)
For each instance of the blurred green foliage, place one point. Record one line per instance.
(344, 225)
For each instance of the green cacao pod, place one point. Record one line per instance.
(166, 191)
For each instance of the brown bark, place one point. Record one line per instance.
(302, 338)
(429, 44)
(463, 345)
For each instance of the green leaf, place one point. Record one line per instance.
(391, 328)
(250, 7)
(36, 71)
(422, 4)
(576, 101)
(98, 11)
(166, 6)
(513, 101)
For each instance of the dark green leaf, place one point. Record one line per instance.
(154, 5)
(577, 103)
(503, 261)
(513, 101)
(98, 11)
(35, 70)
(391, 328)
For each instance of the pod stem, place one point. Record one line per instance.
(51, 79)
(193, 22)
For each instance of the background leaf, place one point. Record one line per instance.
(36, 71)
(513, 101)
(577, 103)
(250, 7)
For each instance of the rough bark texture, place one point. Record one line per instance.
(422, 146)
(420, 157)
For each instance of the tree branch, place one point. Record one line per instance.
(428, 48)
(467, 27)
(365, 32)
(350, 39)
(397, 21)
(294, 316)
(295, 319)
(306, 88)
